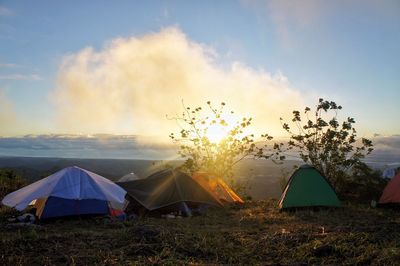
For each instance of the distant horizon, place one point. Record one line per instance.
(110, 146)
(374, 163)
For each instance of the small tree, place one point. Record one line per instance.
(329, 145)
(212, 141)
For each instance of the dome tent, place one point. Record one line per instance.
(308, 188)
(171, 190)
(391, 193)
(70, 191)
(390, 171)
(217, 187)
(128, 177)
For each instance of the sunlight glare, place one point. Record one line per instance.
(217, 133)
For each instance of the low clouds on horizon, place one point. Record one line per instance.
(386, 148)
(387, 143)
(83, 146)
(130, 86)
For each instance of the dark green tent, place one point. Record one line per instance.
(307, 187)
(168, 188)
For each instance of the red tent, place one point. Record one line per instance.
(391, 193)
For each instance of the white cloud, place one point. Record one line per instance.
(387, 142)
(20, 77)
(133, 83)
(287, 16)
(292, 19)
(386, 149)
(4, 11)
(8, 65)
(166, 13)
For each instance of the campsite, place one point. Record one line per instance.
(230, 132)
(257, 230)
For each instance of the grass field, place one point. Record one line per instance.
(253, 233)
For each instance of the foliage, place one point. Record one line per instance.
(329, 145)
(364, 186)
(9, 182)
(216, 156)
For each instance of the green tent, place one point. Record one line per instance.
(168, 188)
(308, 188)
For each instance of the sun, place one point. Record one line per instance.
(217, 133)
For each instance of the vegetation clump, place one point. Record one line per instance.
(9, 182)
(213, 140)
(330, 145)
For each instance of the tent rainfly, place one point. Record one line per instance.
(70, 191)
(217, 187)
(308, 188)
(391, 193)
(169, 188)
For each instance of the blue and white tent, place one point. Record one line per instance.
(390, 172)
(70, 191)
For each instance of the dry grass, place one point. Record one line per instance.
(255, 233)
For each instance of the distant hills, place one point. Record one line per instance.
(261, 175)
(34, 168)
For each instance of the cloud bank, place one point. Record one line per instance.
(386, 148)
(133, 83)
(84, 146)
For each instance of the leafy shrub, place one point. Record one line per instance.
(212, 140)
(363, 186)
(9, 182)
(328, 144)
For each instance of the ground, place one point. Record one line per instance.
(253, 233)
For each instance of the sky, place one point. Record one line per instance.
(105, 67)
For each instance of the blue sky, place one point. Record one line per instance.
(347, 51)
